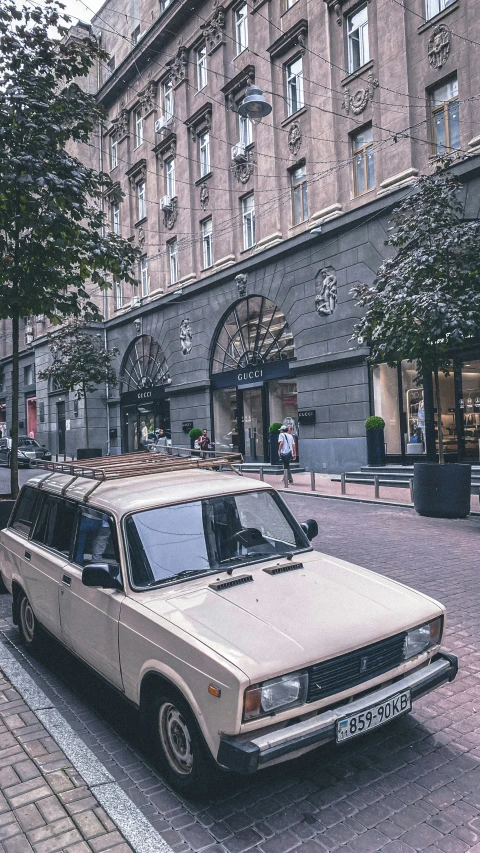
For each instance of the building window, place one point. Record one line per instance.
(138, 121)
(241, 28)
(142, 202)
(445, 117)
(357, 30)
(288, 4)
(204, 142)
(245, 130)
(170, 177)
(29, 374)
(118, 295)
(164, 4)
(136, 35)
(113, 153)
(201, 67)
(363, 162)
(116, 217)
(248, 218)
(433, 7)
(294, 76)
(207, 243)
(110, 66)
(173, 260)
(299, 195)
(144, 277)
(167, 90)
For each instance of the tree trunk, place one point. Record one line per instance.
(86, 413)
(14, 429)
(441, 457)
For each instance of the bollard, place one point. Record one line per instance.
(312, 480)
(343, 485)
(261, 473)
(376, 481)
(410, 483)
(285, 477)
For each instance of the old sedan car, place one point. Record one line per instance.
(198, 596)
(29, 451)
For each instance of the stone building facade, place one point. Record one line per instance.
(252, 236)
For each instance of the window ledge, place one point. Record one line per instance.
(362, 195)
(204, 178)
(443, 14)
(293, 117)
(140, 222)
(358, 73)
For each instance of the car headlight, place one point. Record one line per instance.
(424, 637)
(278, 694)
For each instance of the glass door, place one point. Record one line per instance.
(61, 425)
(469, 405)
(253, 424)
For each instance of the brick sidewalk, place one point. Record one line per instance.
(45, 806)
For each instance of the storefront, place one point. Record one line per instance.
(144, 402)
(410, 410)
(252, 382)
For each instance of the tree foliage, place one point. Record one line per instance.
(425, 299)
(80, 362)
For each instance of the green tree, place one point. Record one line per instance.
(53, 240)
(425, 300)
(80, 362)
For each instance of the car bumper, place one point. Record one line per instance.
(245, 756)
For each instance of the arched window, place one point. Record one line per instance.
(144, 365)
(254, 332)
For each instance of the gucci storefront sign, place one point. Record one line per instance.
(307, 417)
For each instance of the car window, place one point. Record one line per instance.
(28, 442)
(56, 524)
(201, 536)
(25, 510)
(96, 540)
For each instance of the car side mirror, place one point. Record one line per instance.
(98, 574)
(310, 527)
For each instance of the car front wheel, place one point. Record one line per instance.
(30, 631)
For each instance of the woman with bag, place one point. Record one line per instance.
(286, 450)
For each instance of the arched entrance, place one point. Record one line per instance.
(252, 381)
(144, 381)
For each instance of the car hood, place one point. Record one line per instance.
(279, 623)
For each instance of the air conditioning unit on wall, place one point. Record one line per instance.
(238, 152)
(161, 124)
(166, 202)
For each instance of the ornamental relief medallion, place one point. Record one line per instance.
(242, 167)
(170, 214)
(357, 102)
(214, 29)
(326, 295)
(439, 46)
(186, 336)
(241, 282)
(179, 66)
(204, 196)
(294, 138)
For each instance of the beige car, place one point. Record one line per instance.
(199, 597)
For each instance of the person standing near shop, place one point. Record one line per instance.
(286, 450)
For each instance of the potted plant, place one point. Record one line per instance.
(424, 303)
(194, 434)
(273, 431)
(375, 440)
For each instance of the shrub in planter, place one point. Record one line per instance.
(194, 434)
(375, 440)
(273, 431)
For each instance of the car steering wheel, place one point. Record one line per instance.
(248, 537)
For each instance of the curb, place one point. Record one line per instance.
(355, 499)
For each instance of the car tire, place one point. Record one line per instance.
(179, 746)
(28, 625)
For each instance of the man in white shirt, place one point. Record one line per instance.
(286, 450)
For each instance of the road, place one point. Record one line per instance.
(412, 785)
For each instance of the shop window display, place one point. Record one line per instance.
(385, 391)
(469, 405)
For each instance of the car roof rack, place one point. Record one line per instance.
(166, 459)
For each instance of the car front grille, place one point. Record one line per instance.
(338, 674)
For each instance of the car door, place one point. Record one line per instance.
(90, 615)
(45, 555)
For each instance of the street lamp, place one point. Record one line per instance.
(254, 105)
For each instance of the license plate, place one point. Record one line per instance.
(377, 715)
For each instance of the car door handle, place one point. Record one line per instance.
(66, 580)
(28, 555)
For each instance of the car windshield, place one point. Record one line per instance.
(173, 542)
(27, 442)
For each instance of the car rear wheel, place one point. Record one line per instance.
(180, 749)
(30, 630)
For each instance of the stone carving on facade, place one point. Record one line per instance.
(357, 102)
(168, 149)
(170, 214)
(179, 66)
(204, 125)
(186, 336)
(326, 295)
(141, 237)
(147, 99)
(204, 196)
(439, 46)
(338, 11)
(241, 282)
(294, 138)
(242, 166)
(214, 29)
(138, 176)
(137, 325)
(120, 125)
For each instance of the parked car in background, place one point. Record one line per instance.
(199, 597)
(29, 450)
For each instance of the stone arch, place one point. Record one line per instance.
(144, 365)
(252, 332)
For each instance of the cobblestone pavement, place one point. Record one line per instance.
(45, 805)
(411, 785)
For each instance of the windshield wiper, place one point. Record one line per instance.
(185, 574)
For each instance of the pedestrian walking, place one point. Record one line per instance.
(161, 441)
(286, 450)
(204, 442)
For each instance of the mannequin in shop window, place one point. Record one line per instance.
(421, 421)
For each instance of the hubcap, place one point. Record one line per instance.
(175, 738)
(27, 619)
